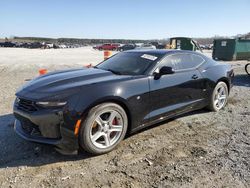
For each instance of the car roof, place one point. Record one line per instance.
(162, 52)
(165, 52)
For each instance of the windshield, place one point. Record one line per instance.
(129, 63)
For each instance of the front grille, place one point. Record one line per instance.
(26, 105)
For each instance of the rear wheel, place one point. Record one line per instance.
(247, 68)
(219, 97)
(103, 129)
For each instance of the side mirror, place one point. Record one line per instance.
(163, 71)
(166, 70)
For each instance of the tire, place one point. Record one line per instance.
(247, 68)
(220, 94)
(97, 133)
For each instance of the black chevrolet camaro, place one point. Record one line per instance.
(95, 108)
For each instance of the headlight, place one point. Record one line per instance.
(51, 104)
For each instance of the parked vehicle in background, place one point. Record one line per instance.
(126, 47)
(96, 47)
(146, 46)
(107, 46)
(206, 47)
(184, 43)
(63, 46)
(158, 45)
(8, 44)
(30, 45)
(35, 45)
(209, 46)
(49, 45)
(138, 44)
(202, 47)
(95, 108)
(19, 45)
(117, 45)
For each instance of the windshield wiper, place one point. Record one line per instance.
(114, 72)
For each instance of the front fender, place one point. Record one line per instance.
(132, 95)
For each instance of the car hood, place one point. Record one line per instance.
(65, 82)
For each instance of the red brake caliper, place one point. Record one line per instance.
(114, 122)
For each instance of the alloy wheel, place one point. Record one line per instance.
(220, 97)
(106, 129)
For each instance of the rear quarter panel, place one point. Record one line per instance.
(214, 72)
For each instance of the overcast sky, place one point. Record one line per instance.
(128, 19)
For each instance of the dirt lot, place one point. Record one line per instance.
(201, 149)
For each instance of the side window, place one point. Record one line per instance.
(196, 60)
(182, 61)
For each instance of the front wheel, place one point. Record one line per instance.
(103, 129)
(219, 97)
(247, 68)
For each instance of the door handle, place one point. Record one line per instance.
(195, 77)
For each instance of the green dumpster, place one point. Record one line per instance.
(184, 43)
(231, 49)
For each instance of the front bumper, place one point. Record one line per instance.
(47, 127)
(22, 133)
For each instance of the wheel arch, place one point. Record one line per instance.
(226, 81)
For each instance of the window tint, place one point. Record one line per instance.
(182, 61)
(196, 60)
(129, 63)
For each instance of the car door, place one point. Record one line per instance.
(178, 92)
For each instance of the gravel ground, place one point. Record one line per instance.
(201, 149)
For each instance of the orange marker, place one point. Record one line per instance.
(43, 71)
(107, 54)
(77, 126)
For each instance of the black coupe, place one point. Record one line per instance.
(95, 108)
